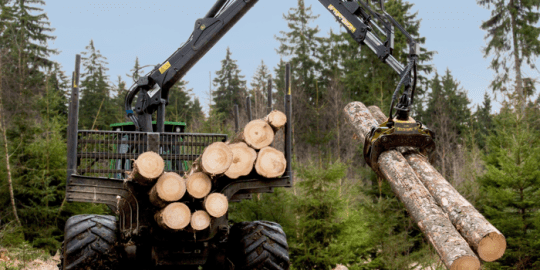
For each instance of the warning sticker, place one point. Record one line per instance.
(164, 68)
(344, 21)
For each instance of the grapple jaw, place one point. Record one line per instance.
(397, 133)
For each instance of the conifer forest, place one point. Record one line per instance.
(338, 212)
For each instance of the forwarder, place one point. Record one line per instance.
(98, 160)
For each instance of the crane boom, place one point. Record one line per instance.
(356, 16)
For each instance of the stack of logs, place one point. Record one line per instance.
(449, 222)
(249, 149)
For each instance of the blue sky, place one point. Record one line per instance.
(152, 30)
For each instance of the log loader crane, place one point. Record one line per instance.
(98, 160)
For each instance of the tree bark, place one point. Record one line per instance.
(488, 242)
(147, 168)
(175, 216)
(170, 187)
(216, 204)
(451, 247)
(271, 163)
(200, 220)
(243, 160)
(256, 134)
(198, 185)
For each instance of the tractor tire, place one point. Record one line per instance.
(89, 243)
(258, 245)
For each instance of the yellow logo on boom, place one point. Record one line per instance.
(164, 68)
(344, 21)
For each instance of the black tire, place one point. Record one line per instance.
(258, 245)
(89, 243)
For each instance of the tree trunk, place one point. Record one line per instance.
(257, 134)
(517, 59)
(243, 160)
(215, 160)
(271, 163)
(170, 187)
(276, 120)
(432, 221)
(200, 220)
(216, 204)
(8, 168)
(198, 185)
(175, 216)
(148, 167)
(482, 236)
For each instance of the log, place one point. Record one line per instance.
(216, 204)
(377, 113)
(215, 160)
(432, 221)
(175, 216)
(243, 160)
(148, 167)
(170, 187)
(271, 163)
(488, 242)
(198, 185)
(276, 120)
(257, 134)
(200, 220)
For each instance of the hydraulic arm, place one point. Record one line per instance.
(363, 23)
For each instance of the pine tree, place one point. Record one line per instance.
(231, 89)
(509, 189)
(514, 39)
(95, 105)
(118, 106)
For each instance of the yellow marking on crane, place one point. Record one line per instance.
(344, 20)
(164, 68)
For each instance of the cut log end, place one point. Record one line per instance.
(216, 205)
(175, 216)
(466, 263)
(216, 158)
(492, 247)
(271, 163)
(148, 167)
(170, 187)
(243, 160)
(276, 119)
(258, 134)
(200, 220)
(198, 185)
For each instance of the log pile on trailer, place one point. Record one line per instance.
(189, 202)
(456, 230)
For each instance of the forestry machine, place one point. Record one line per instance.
(98, 160)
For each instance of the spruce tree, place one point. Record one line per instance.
(179, 108)
(231, 89)
(511, 186)
(135, 71)
(513, 38)
(366, 78)
(96, 104)
(483, 124)
(258, 92)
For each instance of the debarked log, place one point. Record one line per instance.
(488, 242)
(432, 221)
